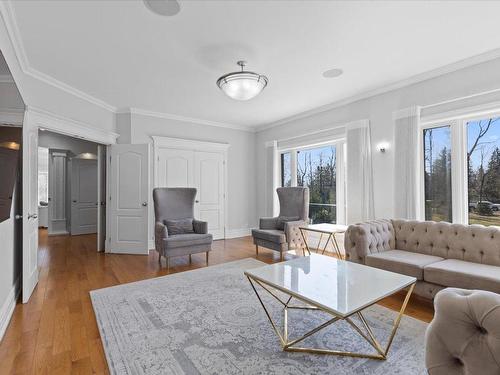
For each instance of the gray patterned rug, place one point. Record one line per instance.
(209, 321)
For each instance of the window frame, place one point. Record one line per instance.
(340, 152)
(459, 176)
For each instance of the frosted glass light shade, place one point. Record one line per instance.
(242, 85)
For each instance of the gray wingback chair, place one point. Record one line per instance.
(176, 231)
(282, 233)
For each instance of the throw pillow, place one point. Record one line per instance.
(179, 226)
(283, 219)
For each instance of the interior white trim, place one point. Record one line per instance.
(159, 141)
(171, 116)
(12, 116)
(8, 306)
(464, 112)
(63, 125)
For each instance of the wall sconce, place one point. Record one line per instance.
(382, 147)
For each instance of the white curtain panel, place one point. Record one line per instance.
(272, 178)
(359, 192)
(406, 163)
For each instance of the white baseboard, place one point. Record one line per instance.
(7, 308)
(235, 233)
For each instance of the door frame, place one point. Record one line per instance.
(192, 145)
(36, 119)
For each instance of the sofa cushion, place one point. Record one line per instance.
(189, 239)
(280, 222)
(271, 235)
(405, 262)
(461, 274)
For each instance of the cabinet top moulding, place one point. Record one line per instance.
(189, 144)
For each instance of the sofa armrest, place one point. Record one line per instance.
(366, 238)
(268, 223)
(200, 227)
(463, 336)
(293, 236)
(161, 232)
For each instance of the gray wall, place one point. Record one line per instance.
(379, 109)
(240, 164)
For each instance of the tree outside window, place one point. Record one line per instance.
(316, 169)
(483, 171)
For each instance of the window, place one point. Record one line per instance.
(437, 174)
(461, 171)
(483, 171)
(317, 168)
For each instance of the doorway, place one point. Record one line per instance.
(71, 187)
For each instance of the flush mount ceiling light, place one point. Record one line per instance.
(243, 85)
(163, 7)
(332, 73)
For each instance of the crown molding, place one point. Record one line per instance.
(50, 121)
(171, 116)
(461, 64)
(8, 15)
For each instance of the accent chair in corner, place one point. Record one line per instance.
(282, 233)
(177, 232)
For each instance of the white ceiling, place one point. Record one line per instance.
(121, 53)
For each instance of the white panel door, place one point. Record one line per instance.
(83, 196)
(30, 207)
(128, 204)
(175, 168)
(209, 181)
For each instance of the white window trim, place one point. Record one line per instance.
(340, 154)
(459, 182)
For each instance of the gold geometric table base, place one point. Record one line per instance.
(366, 332)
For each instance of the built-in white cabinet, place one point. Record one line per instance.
(187, 163)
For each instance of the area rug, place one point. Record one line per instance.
(209, 321)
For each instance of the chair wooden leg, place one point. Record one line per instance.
(207, 257)
(159, 259)
(190, 260)
(281, 256)
(257, 250)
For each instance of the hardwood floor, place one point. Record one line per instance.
(56, 332)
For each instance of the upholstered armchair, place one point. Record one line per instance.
(282, 233)
(464, 337)
(176, 231)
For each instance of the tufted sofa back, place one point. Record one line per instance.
(472, 243)
(367, 238)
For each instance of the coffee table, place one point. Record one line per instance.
(339, 288)
(331, 230)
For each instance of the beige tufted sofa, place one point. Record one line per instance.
(438, 254)
(464, 337)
